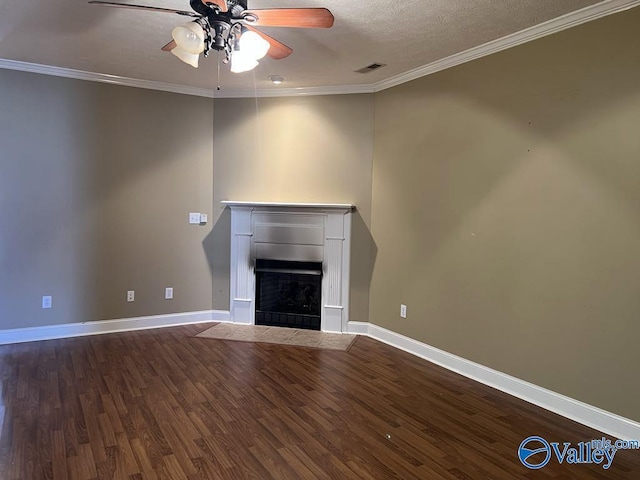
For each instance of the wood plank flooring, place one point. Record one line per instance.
(161, 404)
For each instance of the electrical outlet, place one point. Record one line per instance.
(403, 310)
(194, 218)
(203, 218)
(47, 301)
(131, 296)
(168, 293)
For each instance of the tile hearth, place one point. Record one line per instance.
(279, 335)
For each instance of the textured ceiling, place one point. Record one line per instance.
(404, 34)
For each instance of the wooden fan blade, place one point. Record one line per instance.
(220, 3)
(144, 7)
(291, 17)
(278, 49)
(169, 46)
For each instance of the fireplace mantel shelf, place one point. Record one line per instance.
(321, 206)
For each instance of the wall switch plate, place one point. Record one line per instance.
(203, 218)
(403, 311)
(168, 293)
(47, 301)
(194, 218)
(131, 296)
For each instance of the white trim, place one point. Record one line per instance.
(67, 330)
(181, 89)
(594, 417)
(297, 92)
(222, 316)
(358, 328)
(573, 19)
(570, 20)
(324, 206)
(104, 78)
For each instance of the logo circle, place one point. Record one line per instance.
(532, 447)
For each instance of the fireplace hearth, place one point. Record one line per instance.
(288, 294)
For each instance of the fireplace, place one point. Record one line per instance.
(294, 242)
(288, 294)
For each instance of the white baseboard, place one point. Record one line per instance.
(594, 417)
(223, 316)
(358, 328)
(32, 334)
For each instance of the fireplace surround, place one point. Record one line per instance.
(300, 233)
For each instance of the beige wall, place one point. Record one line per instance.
(308, 149)
(506, 212)
(96, 182)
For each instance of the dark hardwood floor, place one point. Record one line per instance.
(163, 404)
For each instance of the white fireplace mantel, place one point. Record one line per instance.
(291, 231)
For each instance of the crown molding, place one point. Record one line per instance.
(573, 19)
(182, 89)
(297, 92)
(103, 78)
(570, 20)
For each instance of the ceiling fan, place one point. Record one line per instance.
(228, 26)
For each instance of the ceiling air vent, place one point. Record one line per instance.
(371, 68)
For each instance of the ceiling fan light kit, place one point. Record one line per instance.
(246, 52)
(253, 44)
(186, 57)
(189, 37)
(189, 40)
(242, 62)
(228, 27)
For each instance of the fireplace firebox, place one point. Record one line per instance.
(288, 294)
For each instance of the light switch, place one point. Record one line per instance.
(194, 218)
(47, 301)
(203, 218)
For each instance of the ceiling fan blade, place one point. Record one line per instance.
(220, 3)
(291, 17)
(143, 7)
(278, 49)
(169, 46)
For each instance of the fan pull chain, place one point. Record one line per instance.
(218, 79)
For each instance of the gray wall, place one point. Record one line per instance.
(304, 149)
(96, 182)
(506, 212)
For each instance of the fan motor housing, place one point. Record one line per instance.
(235, 7)
(221, 30)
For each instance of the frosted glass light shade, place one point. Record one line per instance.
(254, 45)
(186, 57)
(189, 37)
(242, 62)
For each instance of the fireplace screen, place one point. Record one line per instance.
(288, 294)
